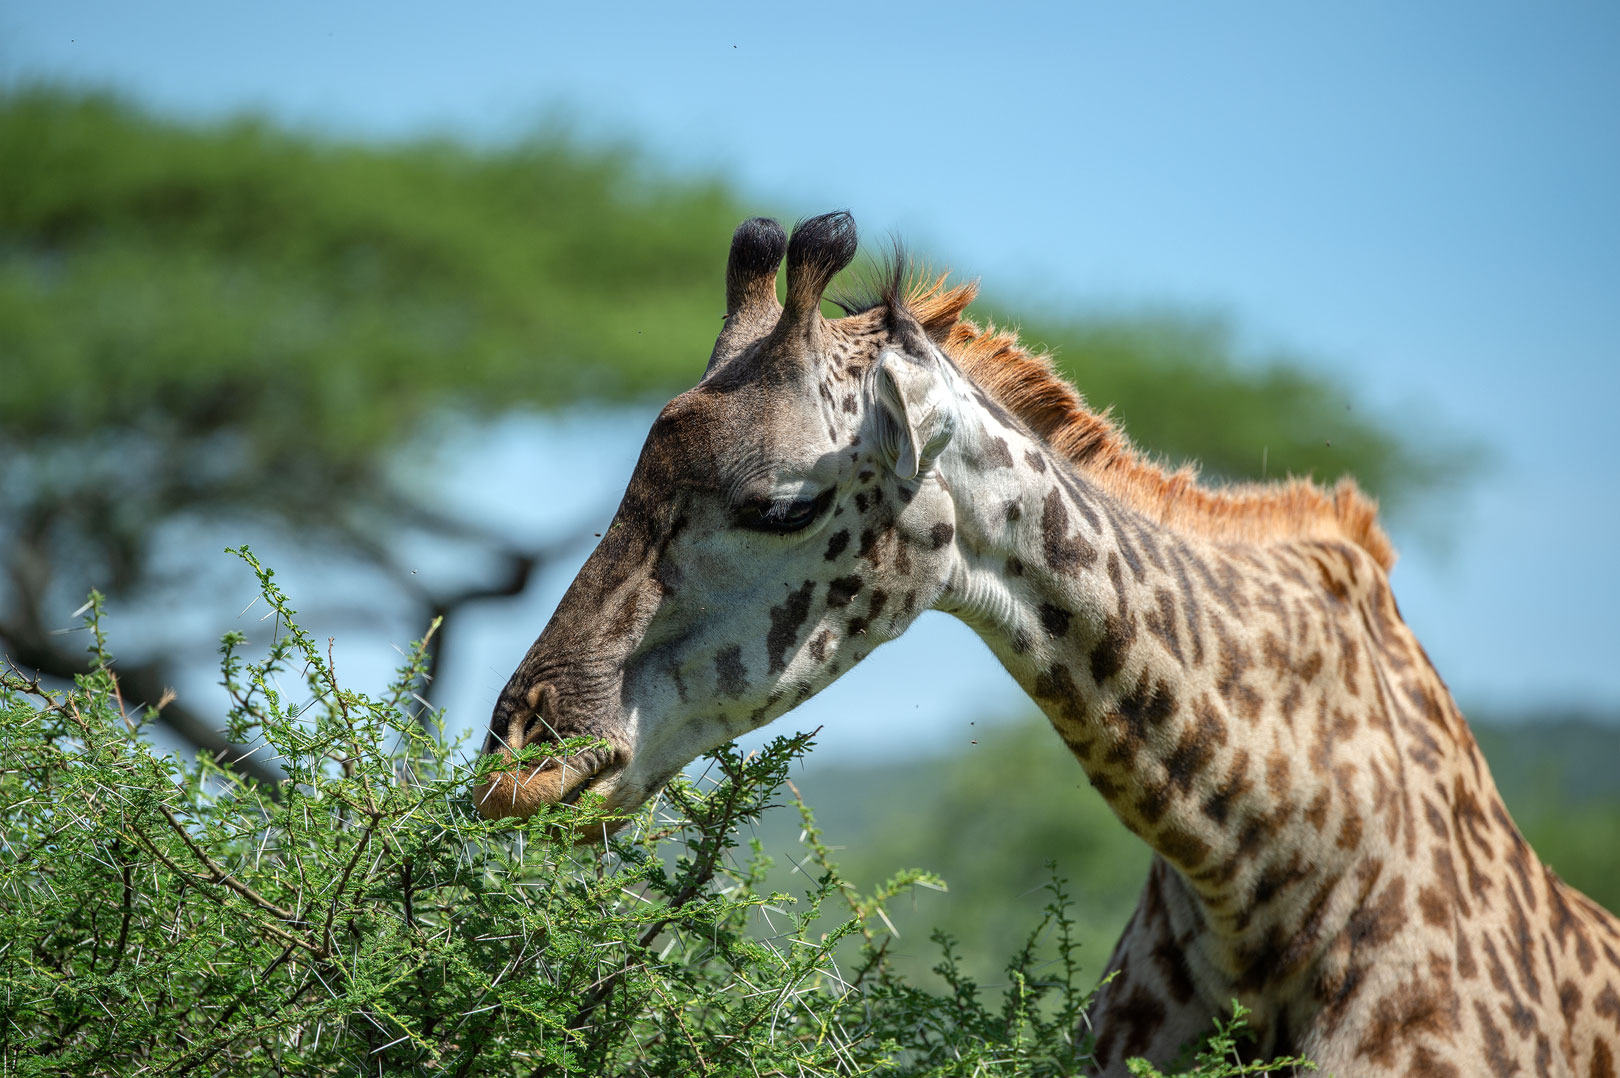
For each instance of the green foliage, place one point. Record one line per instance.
(1222, 1055)
(239, 277)
(162, 916)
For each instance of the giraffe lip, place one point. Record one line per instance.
(585, 771)
(519, 789)
(577, 789)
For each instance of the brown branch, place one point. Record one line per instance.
(195, 880)
(230, 1012)
(220, 875)
(343, 881)
(128, 911)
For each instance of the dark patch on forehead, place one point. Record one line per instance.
(837, 544)
(786, 619)
(940, 534)
(692, 432)
(763, 362)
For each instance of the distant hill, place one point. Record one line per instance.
(1560, 777)
(1569, 759)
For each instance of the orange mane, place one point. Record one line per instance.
(1026, 384)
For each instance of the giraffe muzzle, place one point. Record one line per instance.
(518, 790)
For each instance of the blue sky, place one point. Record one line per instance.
(1422, 199)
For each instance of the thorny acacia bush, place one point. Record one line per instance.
(159, 916)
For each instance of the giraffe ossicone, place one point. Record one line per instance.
(1227, 665)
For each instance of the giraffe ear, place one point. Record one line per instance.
(916, 415)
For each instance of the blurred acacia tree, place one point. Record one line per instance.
(234, 322)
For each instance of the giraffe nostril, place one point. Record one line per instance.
(531, 727)
(521, 722)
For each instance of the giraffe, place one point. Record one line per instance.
(1228, 666)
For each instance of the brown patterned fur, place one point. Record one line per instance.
(1332, 849)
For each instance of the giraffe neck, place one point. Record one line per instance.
(1212, 693)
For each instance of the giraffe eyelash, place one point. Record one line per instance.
(782, 516)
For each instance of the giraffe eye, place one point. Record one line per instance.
(782, 516)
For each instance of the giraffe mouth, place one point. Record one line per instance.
(520, 791)
(577, 773)
(576, 787)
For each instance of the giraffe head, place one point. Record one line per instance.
(785, 518)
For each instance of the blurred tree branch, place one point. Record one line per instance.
(29, 642)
